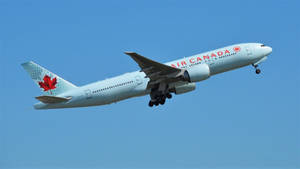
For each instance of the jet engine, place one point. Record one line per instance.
(185, 88)
(197, 73)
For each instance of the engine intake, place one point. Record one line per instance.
(197, 73)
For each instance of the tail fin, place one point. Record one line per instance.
(50, 83)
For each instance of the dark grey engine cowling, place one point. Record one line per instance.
(180, 89)
(197, 73)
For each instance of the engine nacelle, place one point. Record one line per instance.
(185, 88)
(197, 73)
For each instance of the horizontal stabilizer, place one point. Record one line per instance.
(52, 99)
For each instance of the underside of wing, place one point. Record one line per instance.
(157, 72)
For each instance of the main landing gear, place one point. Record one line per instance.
(257, 70)
(161, 99)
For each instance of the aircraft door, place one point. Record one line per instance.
(138, 80)
(248, 50)
(88, 94)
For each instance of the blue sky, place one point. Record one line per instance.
(233, 120)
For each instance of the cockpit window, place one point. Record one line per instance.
(262, 45)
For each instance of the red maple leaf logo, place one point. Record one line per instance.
(48, 84)
(237, 49)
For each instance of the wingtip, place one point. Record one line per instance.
(128, 52)
(26, 63)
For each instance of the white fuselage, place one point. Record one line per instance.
(135, 83)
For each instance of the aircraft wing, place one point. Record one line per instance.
(157, 72)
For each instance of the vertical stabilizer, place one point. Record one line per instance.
(50, 83)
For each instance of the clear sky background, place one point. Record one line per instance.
(233, 120)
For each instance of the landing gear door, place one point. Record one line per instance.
(138, 80)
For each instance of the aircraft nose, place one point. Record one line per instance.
(267, 50)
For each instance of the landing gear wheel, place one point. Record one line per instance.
(162, 101)
(169, 96)
(151, 104)
(156, 103)
(257, 71)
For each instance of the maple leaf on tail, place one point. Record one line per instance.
(48, 84)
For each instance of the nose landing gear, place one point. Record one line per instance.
(257, 70)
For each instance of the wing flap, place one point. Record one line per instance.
(52, 99)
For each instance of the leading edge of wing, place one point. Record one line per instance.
(147, 64)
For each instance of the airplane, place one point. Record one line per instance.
(156, 79)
